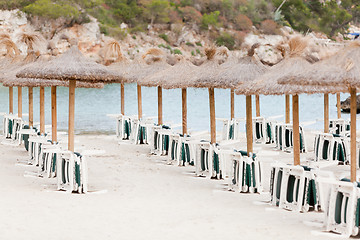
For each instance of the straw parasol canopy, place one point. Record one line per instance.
(168, 78)
(206, 74)
(338, 70)
(12, 61)
(31, 82)
(347, 76)
(200, 79)
(9, 79)
(267, 84)
(177, 76)
(123, 67)
(233, 72)
(152, 62)
(139, 70)
(72, 65)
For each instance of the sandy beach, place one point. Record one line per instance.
(134, 195)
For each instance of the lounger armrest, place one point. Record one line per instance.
(229, 142)
(275, 117)
(53, 150)
(93, 152)
(196, 134)
(28, 132)
(222, 119)
(39, 140)
(116, 116)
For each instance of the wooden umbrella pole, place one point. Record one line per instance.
(287, 108)
(212, 115)
(11, 100)
(42, 110)
(20, 102)
(257, 99)
(338, 105)
(72, 86)
(53, 114)
(31, 107)
(296, 132)
(249, 126)
(122, 92)
(353, 111)
(232, 104)
(139, 102)
(184, 111)
(326, 113)
(160, 112)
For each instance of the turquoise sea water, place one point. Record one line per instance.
(92, 105)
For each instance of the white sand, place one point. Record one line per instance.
(137, 196)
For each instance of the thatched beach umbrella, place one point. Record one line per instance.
(11, 58)
(292, 63)
(10, 75)
(33, 41)
(177, 76)
(247, 67)
(116, 62)
(272, 88)
(154, 73)
(344, 73)
(71, 66)
(202, 79)
(152, 62)
(215, 74)
(245, 70)
(123, 66)
(267, 85)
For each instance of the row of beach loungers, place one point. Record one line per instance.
(51, 158)
(304, 188)
(297, 188)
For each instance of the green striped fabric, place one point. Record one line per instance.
(10, 126)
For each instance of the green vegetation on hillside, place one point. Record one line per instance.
(328, 17)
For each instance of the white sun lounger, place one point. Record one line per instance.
(72, 173)
(245, 175)
(339, 126)
(342, 214)
(231, 128)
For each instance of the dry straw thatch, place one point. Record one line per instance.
(267, 84)
(152, 62)
(206, 74)
(231, 73)
(140, 71)
(177, 76)
(122, 67)
(341, 69)
(26, 82)
(72, 65)
(9, 78)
